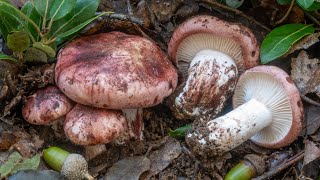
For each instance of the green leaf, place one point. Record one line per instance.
(314, 6)
(284, 2)
(16, 163)
(29, 10)
(305, 4)
(180, 132)
(280, 39)
(234, 3)
(10, 19)
(68, 34)
(83, 11)
(43, 6)
(6, 57)
(61, 8)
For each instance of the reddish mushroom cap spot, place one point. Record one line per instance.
(217, 30)
(274, 88)
(86, 125)
(46, 105)
(115, 71)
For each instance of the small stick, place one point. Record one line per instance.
(310, 100)
(236, 11)
(123, 17)
(286, 15)
(282, 166)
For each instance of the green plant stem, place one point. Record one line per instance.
(45, 16)
(286, 15)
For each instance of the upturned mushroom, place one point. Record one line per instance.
(112, 71)
(268, 110)
(210, 53)
(46, 106)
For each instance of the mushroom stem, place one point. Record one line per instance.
(209, 73)
(234, 128)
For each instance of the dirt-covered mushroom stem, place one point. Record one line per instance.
(209, 52)
(268, 110)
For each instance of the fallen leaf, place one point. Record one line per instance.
(311, 160)
(164, 9)
(17, 163)
(32, 175)
(163, 157)
(7, 139)
(129, 168)
(304, 43)
(306, 74)
(312, 119)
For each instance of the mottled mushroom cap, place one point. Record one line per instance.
(115, 71)
(86, 125)
(274, 88)
(46, 105)
(208, 32)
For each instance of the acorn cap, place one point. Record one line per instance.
(75, 167)
(208, 32)
(115, 71)
(274, 88)
(46, 106)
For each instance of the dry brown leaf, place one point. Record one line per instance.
(306, 73)
(164, 9)
(304, 43)
(163, 157)
(312, 119)
(311, 160)
(129, 168)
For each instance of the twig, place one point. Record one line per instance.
(123, 17)
(236, 11)
(312, 18)
(310, 100)
(286, 15)
(281, 167)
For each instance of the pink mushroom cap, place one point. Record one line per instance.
(115, 71)
(46, 106)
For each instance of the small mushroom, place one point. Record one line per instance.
(268, 110)
(85, 125)
(46, 106)
(210, 53)
(115, 71)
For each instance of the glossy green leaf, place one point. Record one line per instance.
(314, 6)
(6, 57)
(82, 13)
(68, 34)
(10, 19)
(61, 8)
(16, 163)
(305, 4)
(180, 132)
(284, 2)
(43, 6)
(280, 39)
(29, 10)
(234, 3)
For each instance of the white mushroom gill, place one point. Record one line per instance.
(268, 91)
(193, 44)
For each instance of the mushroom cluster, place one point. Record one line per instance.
(268, 111)
(210, 53)
(111, 76)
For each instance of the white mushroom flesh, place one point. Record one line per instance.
(193, 44)
(267, 90)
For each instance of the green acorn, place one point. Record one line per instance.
(72, 166)
(247, 168)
